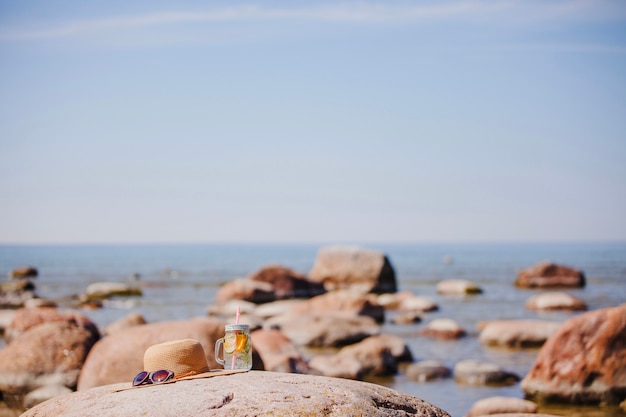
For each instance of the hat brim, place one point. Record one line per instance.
(210, 374)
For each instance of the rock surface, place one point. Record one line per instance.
(501, 405)
(278, 353)
(343, 301)
(100, 290)
(425, 371)
(546, 274)
(347, 267)
(287, 283)
(24, 272)
(584, 361)
(458, 287)
(251, 393)
(473, 372)
(555, 300)
(324, 330)
(517, 333)
(50, 353)
(27, 318)
(443, 328)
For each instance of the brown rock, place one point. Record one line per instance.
(500, 405)
(378, 355)
(287, 283)
(374, 356)
(584, 361)
(13, 294)
(246, 289)
(425, 371)
(344, 267)
(517, 333)
(472, 372)
(407, 317)
(554, 300)
(27, 318)
(336, 366)
(547, 274)
(458, 287)
(344, 301)
(46, 354)
(417, 304)
(277, 352)
(24, 272)
(250, 393)
(132, 319)
(324, 330)
(119, 357)
(443, 328)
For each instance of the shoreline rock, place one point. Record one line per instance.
(584, 362)
(251, 393)
(549, 275)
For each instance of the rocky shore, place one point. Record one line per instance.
(336, 311)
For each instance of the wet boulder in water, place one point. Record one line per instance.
(503, 405)
(344, 301)
(443, 328)
(425, 371)
(349, 267)
(550, 275)
(24, 272)
(323, 330)
(554, 300)
(100, 290)
(287, 283)
(584, 361)
(517, 333)
(458, 287)
(473, 372)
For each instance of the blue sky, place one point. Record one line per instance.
(429, 121)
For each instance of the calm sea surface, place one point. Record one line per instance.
(182, 280)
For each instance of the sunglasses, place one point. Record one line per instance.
(156, 377)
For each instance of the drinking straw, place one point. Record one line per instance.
(232, 366)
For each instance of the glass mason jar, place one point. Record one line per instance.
(237, 347)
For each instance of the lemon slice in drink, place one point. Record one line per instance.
(235, 342)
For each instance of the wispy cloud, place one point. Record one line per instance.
(507, 10)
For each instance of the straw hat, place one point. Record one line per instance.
(186, 358)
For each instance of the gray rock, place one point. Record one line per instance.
(324, 330)
(458, 287)
(472, 372)
(555, 300)
(500, 405)
(425, 371)
(348, 267)
(99, 290)
(517, 333)
(247, 394)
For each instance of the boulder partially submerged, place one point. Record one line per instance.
(341, 267)
(251, 393)
(584, 361)
(550, 275)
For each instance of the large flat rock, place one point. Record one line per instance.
(255, 393)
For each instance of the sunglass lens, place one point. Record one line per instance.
(161, 376)
(140, 378)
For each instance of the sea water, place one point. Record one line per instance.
(180, 281)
